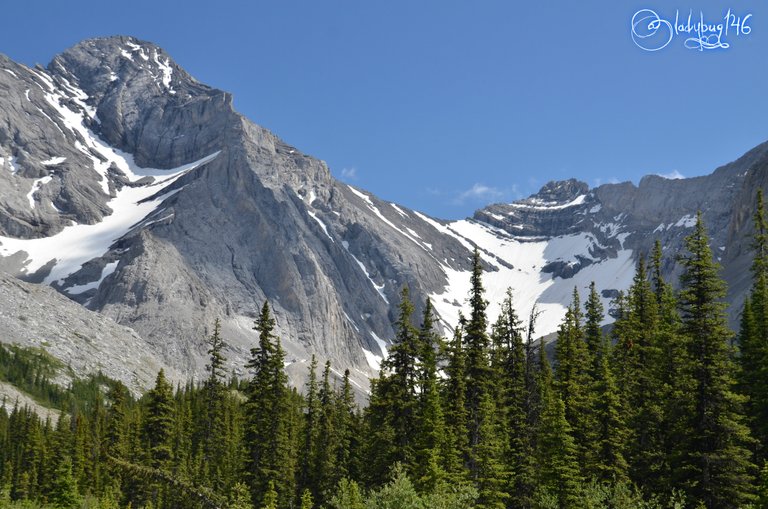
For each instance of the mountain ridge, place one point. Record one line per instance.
(227, 215)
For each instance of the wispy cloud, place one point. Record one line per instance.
(673, 175)
(349, 173)
(479, 193)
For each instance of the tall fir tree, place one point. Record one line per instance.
(717, 470)
(753, 334)
(456, 444)
(511, 368)
(391, 415)
(269, 460)
(430, 421)
(214, 427)
(572, 379)
(307, 478)
(159, 422)
(556, 452)
(640, 354)
(479, 376)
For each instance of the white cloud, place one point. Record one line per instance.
(349, 173)
(673, 175)
(479, 193)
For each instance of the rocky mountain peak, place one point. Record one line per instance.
(560, 191)
(97, 65)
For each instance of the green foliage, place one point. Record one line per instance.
(654, 421)
(270, 456)
(716, 467)
(31, 370)
(556, 454)
(347, 496)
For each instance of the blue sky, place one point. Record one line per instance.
(445, 106)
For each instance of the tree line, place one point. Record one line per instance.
(667, 409)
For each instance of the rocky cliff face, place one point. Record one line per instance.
(141, 194)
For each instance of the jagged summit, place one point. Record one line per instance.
(559, 192)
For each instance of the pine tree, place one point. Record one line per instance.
(430, 424)
(239, 497)
(718, 471)
(348, 431)
(753, 334)
(270, 497)
(64, 493)
(638, 356)
(306, 500)
(556, 452)
(478, 371)
(391, 415)
(214, 441)
(307, 479)
(609, 463)
(456, 445)
(593, 333)
(269, 462)
(572, 380)
(159, 422)
(325, 469)
(511, 366)
(347, 496)
(116, 439)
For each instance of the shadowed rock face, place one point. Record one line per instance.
(107, 129)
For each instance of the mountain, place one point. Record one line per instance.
(141, 194)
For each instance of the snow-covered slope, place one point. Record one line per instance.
(519, 265)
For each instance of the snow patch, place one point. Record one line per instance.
(379, 288)
(36, 186)
(351, 321)
(106, 271)
(687, 221)
(374, 361)
(400, 211)
(378, 213)
(53, 161)
(538, 204)
(167, 72)
(136, 48)
(76, 244)
(382, 344)
(529, 285)
(322, 224)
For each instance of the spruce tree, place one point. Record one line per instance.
(269, 460)
(456, 445)
(64, 493)
(159, 422)
(556, 452)
(717, 471)
(572, 380)
(329, 441)
(214, 428)
(608, 461)
(307, 479)
(753, 334)
(511, 368)
(430, 424)
(391, 414)
(479, 375)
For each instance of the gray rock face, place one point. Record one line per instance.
(140, 193)
(38, 316)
